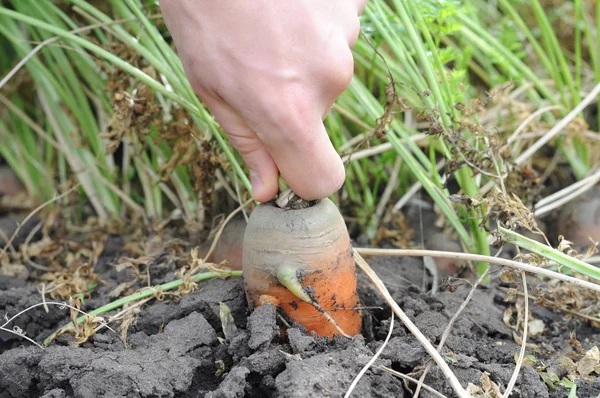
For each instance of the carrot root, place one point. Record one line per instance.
(301, 260)
(288, 277)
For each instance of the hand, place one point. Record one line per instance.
(269, 71)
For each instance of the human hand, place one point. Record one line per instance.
(269, 71)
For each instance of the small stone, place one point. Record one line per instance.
(55, 393)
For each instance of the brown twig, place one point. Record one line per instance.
(12, 248)
(26, 244)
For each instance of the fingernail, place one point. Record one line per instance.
(256, 181)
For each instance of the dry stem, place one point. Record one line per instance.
(364, 266)
(559, 126)
(558, 307)
(478, 257)
(515, 374)
(370, 363)
(405, 377)
(567, 194)
(222, 227)
(45, 305)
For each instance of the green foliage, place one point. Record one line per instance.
(438, 15)
(417, 61)
(509, 37)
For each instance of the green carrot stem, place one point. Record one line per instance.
(144, 293)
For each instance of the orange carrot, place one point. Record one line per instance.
(301, 261)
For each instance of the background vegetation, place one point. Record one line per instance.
(469, 101)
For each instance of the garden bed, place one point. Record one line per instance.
(176, 346)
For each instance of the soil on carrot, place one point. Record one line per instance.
(177, 346)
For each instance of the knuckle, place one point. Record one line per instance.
(341, 72)
(289, 109)
(354, 32)
(246, 146)
(361, 6)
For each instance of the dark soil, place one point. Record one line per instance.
(176, 347)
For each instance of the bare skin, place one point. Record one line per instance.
(269, 71)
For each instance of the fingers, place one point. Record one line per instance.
(354, 32)
(361, 6)
(263, 170)
(339, 77)
(354, 28)
(308, 161)
(294, 133)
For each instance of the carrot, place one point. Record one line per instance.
(231, 243)
(579, 220)
(301, 261)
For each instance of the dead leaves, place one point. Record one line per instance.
(14, 270)
(590, 363)
(508, 211)
(227, 321)
(514, 318)
(579, 363)
(394, 227)
(78, 276)
(488, 388)
(82, 330)
(202, 159)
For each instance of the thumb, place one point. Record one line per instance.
(263, 170)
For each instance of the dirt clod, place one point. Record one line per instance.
(404, 351)
(233, 386)
(330, 375)
(299, 341)
(532, 384)
(55, 393)
(263, 327)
